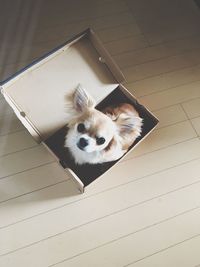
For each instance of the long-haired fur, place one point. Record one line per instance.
(99, 136)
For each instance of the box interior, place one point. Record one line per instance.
(87, 173)
(39, 93)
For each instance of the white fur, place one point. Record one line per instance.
(82, 157)
(82, 107)
(93, 153)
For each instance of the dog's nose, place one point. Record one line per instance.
(83, 142)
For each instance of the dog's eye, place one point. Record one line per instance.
(100, 140)
(81, 127)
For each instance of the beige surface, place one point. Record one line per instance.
(146, 211)
(40, 92)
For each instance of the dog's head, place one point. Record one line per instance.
(90, 130)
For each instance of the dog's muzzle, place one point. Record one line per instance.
(82, 143)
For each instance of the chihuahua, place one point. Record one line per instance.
(99, 136)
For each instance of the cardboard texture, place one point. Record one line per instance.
(37, 95)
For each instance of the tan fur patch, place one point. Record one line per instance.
(122, 108)
(94, 129)
(121, 115)
(95, 125)
(110, 145)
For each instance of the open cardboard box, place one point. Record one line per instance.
(37, 95)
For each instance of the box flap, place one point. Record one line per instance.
(37, 93)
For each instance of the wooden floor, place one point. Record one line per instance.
(146, 211)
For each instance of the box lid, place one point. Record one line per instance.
(37, 93)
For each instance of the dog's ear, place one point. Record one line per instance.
(127, 124)
(82, 100)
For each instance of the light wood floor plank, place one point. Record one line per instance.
(23, 160)
(10, 124)
(64, 194)
(84, 13)
(185, 254)
(161, 21)
(15, 142)
(170, 115)
(5, 109)
(172, 96)
(126, 44)
(196, 124)
(164, 137)
(147, 208)
(192, 108)
(119, 32)
(156, 52)
(133, 248)
(31, 180)
(114, 20)
(165, 81)
(148, 164)
(157, 67)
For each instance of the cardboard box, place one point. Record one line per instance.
(37, 95)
